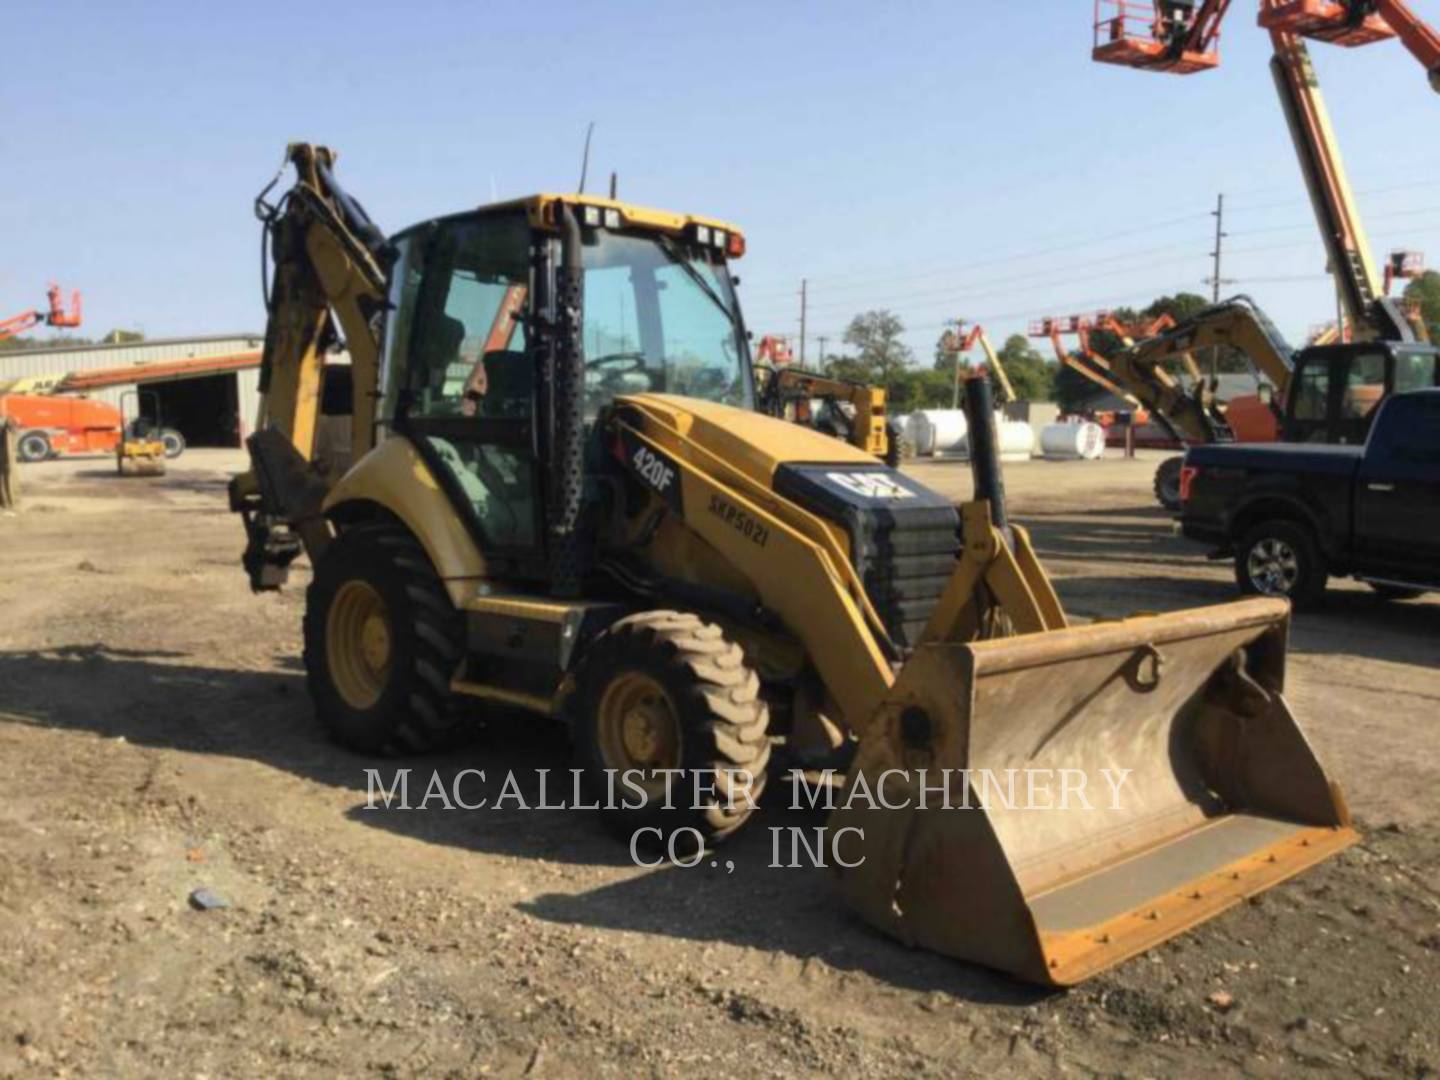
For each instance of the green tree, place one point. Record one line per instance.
(880, 352)
(1180, 306)
(1073, 391)
(918, 388)
(56, 342)
(1425, 290)
(1031, 375)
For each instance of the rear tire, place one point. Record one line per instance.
(666, 689)
(382, 641)
(174, 442)
(894, 446)
(33, 446)
(1167, 482)
(1281, 558)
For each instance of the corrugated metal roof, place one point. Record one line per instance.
(23, 363)
(72, 357)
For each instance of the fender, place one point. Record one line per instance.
(395, 477)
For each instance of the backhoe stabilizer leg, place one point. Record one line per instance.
(280, 501)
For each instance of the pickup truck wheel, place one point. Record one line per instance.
(1281, 558)
(1395, 592)
(1167, 482)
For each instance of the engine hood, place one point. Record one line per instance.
(758, 445)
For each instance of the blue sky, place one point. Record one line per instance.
(939, 159)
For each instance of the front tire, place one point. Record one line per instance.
(1281, 558)
(33, 446)
(382, 641)
(173, 441)
(1167, 482)
(667, 690)
(894, 446)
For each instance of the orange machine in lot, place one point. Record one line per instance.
(52, 418)
(50, 425)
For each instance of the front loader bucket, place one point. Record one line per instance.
(1053, 803)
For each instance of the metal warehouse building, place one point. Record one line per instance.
(208, 408)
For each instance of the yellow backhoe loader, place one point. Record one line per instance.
(563, 499)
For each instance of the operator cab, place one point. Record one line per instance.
(468, 342)
(1337, 389)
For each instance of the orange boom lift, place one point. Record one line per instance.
(56, 315)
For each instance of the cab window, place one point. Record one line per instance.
(467, 355)
(1312, 395)
(1364, 385)
(466, 392)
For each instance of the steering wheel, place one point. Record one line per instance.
(623, 362)
(612, 368)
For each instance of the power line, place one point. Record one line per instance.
(863, 280)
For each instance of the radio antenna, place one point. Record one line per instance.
(585, 158)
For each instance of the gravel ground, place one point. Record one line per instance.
(155, 738)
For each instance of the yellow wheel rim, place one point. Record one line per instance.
(357, 644)
(639, 728)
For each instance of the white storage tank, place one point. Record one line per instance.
(1083, 441)
(938, 431)
(920, 434)
(1016, 439)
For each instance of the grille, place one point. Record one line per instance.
(903, 537)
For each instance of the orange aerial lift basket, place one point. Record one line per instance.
(1159, 35)
(1325, 20)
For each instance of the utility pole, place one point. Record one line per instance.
(804, 298)
(1215, 279)
(822, 339)
(959, 325)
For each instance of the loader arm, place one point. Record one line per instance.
(330, 270)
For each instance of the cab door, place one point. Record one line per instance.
(1397, 498)
(461, 378)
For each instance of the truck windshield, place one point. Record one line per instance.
(660, 316)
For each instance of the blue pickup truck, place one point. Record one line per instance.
(1293, 515)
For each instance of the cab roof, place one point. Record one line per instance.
(542, 210)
